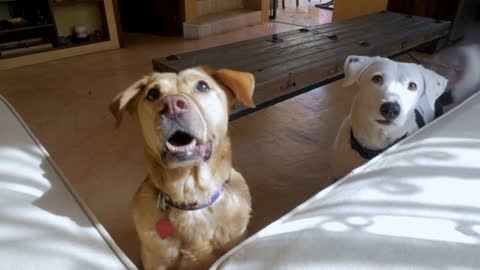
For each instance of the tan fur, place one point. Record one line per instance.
(199, 236)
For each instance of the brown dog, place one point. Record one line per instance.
(193, 206)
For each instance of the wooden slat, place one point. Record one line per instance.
(308, 46)
(347, 47)
(290, 81)
(304, 59)
(258, 46)
(311, 50)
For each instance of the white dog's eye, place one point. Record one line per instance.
(412, 86)
(153, 94)
(377, 79)
(202, 86)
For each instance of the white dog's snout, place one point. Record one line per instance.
(392, 93)
(390, 98)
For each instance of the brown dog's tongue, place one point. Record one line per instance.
(205, 150)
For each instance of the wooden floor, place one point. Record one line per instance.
(282, 151)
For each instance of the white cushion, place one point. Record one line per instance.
(416, 206)
(43, 222)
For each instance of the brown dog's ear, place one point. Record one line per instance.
(123, 99)
(240, 83)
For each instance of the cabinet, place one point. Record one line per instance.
(33, 31)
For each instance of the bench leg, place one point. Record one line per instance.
(327, 5)
(413, 57)
(273, 8)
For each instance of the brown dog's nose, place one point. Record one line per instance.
(173, 105)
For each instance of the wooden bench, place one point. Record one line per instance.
(291, 63)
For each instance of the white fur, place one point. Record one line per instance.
(469, 81)
(365, 110)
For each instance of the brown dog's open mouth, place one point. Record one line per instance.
(185, 147)
(384, 122)
(181, 141)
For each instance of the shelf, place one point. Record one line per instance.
(26, 53)
(62, 2)
(82, 43)
(26, 28)
(71, 45)
(59, 18)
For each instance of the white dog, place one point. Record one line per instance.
(394, 100)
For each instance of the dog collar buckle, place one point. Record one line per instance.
(162, 202)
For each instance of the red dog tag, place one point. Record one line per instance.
(164, 228)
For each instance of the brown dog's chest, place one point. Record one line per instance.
(198, 236)
(205, 225)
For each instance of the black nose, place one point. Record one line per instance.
(390, 110)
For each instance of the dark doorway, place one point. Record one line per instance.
(160, 17)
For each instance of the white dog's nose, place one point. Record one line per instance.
(390, 110)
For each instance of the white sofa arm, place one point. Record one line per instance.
(416, 206)
(43, 222)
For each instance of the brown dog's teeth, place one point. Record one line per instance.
(185, 148)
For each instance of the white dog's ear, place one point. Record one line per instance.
(122, 101)
(354, 67)
(433, 85)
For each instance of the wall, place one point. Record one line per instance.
(205, 7)
(263, 5)
(4, 14)
(346, 9)
(190, 8)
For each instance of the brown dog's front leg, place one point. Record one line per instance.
(198, 257)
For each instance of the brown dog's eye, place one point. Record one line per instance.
(202, 86)
(377, 79)
(153, 94)
(412, 86)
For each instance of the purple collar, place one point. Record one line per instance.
(164, 202)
